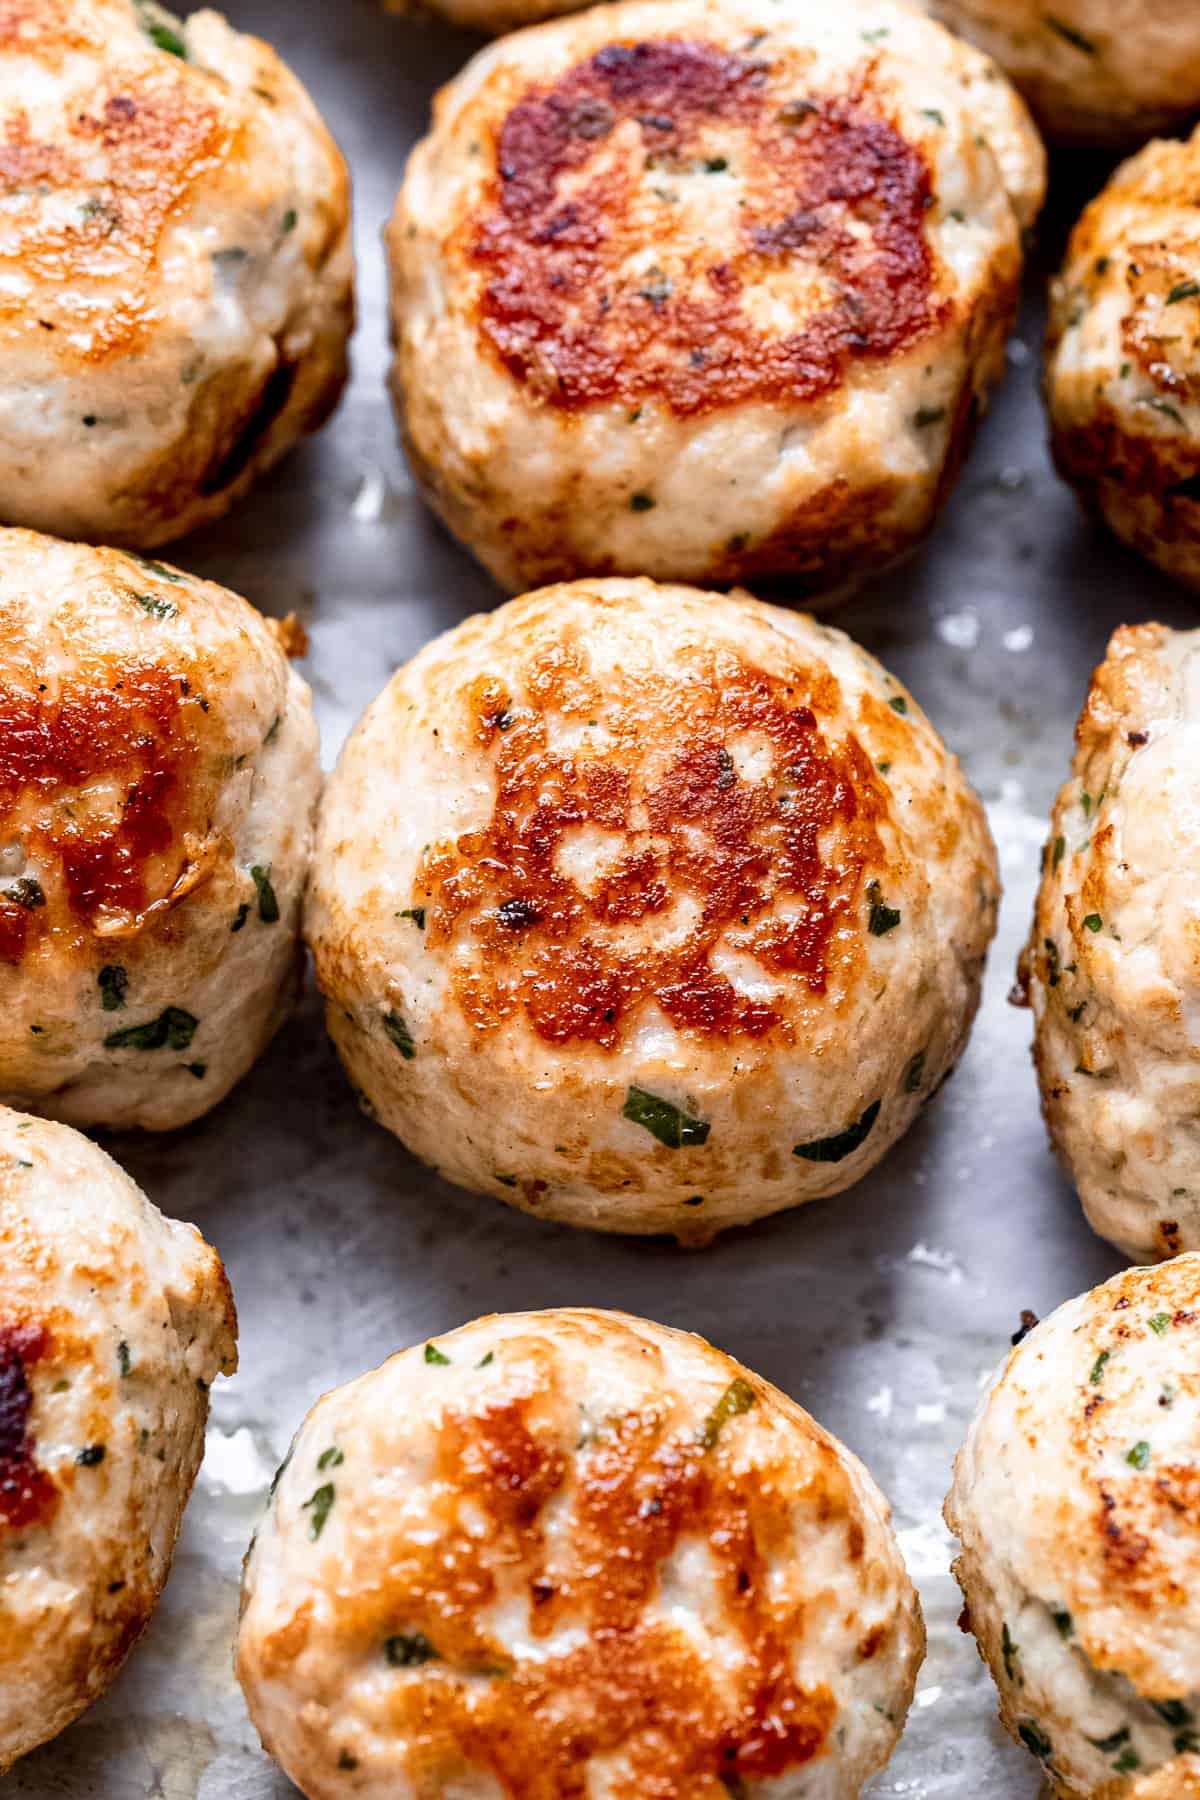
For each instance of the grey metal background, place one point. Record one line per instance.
(882, 1310)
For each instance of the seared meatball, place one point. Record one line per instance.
(1075, 1497)
(572, 1551)
(113, 1323)
(649, 909)
(708, 292)
(158, 779)
(1112, 967)
(1094, 71)
(175, 267)
(1123, 356)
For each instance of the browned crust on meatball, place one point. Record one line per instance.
(830, 175)
(109, 776)
(803, 836)
(633, 1685)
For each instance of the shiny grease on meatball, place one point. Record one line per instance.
(158, 778)
(707, 293)
(114, 1321)
(648, 909)
(574, 1550)
(1076, 1501)
(176, 290)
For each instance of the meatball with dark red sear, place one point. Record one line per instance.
(708, 293)
(648, 909)
(114, 1321)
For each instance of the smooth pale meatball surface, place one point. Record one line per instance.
(707, 292)
(648, 909)
(1123, 356)
(573, 1551)
(114, 1321)
(158, 780)
(1112, 966)
(176, 284)
(1093, 71)
(1077, 1501)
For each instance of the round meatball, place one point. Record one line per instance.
(708, 292)
(175, 268)
(1112, 967)
(572, 1551)
(1094, 71)
(649, 909)
(1123, 356)
(1075, 1500)
(113, 1323)
(158, 780)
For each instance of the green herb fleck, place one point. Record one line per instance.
(485, 1360)
(288, 221)
(1010, 1653)
(898, 704)
(346, 1761)
(931, 112)
(1035, 1740)
(915, 1073)
(1183, 290)
(928, 415)
(243, 913)
(1098, 1367)
(124, 1361)
(196, 1070)
(416, 914)
(1106, 1745)
(877, 35)
(1064, 1624)
(641, 501)
(1173, 1713)
(1053, 970)
(1160, 1323)
(1093, 922)
(738, 1397)
(663, 1120)
(321, 1503)
(1139, 1456)
(409, 1649)
(173, 1027)
(1127, 1761)
(1069, 35)
(400, 1035)
(273, 730)
(91, 1457)
(715, 165)
(883, 918)
(1158, 404)
(268, 905)
(434, 1355)
(112, 982)
(694, 1200)
(333, 1458)
(844, 1143)
(156, 606)
(1060, 850)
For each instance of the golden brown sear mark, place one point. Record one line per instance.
(27, 1494)
(85, 214)
(95, 782)
(635, 1685)
(830, 186)
(773, 866)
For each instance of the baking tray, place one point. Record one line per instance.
(881, 1310)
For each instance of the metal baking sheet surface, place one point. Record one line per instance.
(882, 1310)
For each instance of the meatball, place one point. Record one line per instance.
(1112, 967)
(708, 293)
(1094, 71)
(1075, 1500)
(158, 780)
(567, 1551)
(176, 285)
(113, 1323)
(1123, 356)
(648, 909)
